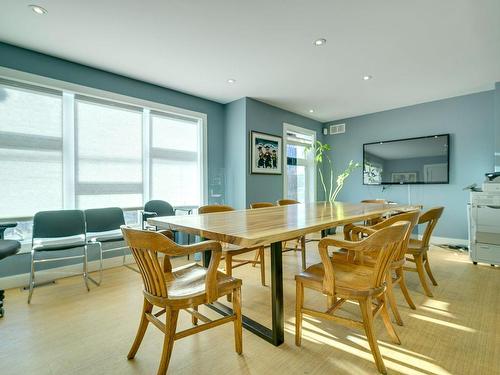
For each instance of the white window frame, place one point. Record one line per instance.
(289, 127)
(70, 90)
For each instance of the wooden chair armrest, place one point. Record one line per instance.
(211, 278)
(357, 230)
(329, 276)
(167, 233)
(344, 244)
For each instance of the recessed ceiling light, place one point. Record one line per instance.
(231, 81)
(320, 42)
(38, 9)
(311, 111)
(367, 77)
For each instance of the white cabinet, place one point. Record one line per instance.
(484, 227)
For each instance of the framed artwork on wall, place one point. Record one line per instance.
(266, 153)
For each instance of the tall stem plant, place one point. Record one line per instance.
(322, 157)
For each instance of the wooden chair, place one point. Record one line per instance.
(229, 251)
(395, 274)
(347, 281)
(418, 248)
(184, 288)
(301, 239)
(261, 205)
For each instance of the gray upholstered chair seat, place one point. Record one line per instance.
(105, 236)
(58, 243)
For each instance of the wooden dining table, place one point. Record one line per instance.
(271, 226)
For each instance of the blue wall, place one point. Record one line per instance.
(235, 159)
(469, 119)
(265, 118)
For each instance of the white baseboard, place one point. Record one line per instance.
(22, 280)
(447, 241)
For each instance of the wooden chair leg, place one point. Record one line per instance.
(330, 300)
(427, 267)
(299, 302)
(256, 258)
(392, 300)
(143, 325)
(229, 271)
(168, 341)
(262, 266)
(194, 319)
(419, 263)
(387, 321)
(367, 313)
(303, 251)
(238, 333)
(402, 284)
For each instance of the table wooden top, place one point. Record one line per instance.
(248, 228)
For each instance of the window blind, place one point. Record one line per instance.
(175, 160)
(31, 170)
(108, 154)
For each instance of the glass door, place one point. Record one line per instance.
(300, 171)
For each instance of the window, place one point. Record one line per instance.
(108, 155)
(61, 150)
(175, 159)
(31, 172)
(300, 172)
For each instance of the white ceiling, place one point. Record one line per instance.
(417, 51)
(410, 148)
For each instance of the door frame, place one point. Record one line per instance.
(298, 129)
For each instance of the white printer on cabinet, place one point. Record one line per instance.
(484, 222)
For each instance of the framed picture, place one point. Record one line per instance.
(404, 177)
(266, 153)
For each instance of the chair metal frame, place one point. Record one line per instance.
(34, 261)
(94, 241)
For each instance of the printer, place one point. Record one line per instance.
(484, 222)
(492, 182)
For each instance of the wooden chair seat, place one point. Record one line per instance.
(350, 279)
(189, 282)
(415, 246)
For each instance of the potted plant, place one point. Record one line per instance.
(322, 159)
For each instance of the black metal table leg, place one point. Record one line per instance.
(276, 335)
(277, 294)
(2, 296)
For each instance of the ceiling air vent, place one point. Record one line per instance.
(337, 129)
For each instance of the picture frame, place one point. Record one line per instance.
(266, 153)
(404, 177)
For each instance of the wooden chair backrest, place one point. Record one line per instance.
(214, 208)
(430, 217)
(145, 246)
(385, 243)
(261, 205)
(286, 202)
(381, 201)
(388, 241)
(412, 218)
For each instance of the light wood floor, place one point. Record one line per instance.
(69, 331)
